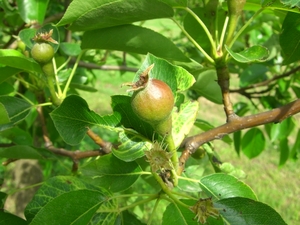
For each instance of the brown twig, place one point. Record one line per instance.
(104, 67)
(105, 146)
(191, 144)
(266, 82)
(223, 81)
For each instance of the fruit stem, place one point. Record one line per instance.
(48, 70)
(171, 148)
(207, 56)
(56, 77)
(64, 94)
(168, 191)
(56, 101)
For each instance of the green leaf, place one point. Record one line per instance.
(78, 205)
(83, 87)
(72, 188)
(3, 197)
(207, 86)
(253, 74)
(6, 88)
(20, 152)
(176, 77)
(222, 186)
(18, 136)
(26, 36)
(132, 147)
(203, 124)
(73, 116)
(237, 137)
(32, 10)
(296, 148)
(6, 72)
(193, 171)
(241, 108)
(70, 49)
(291, 3)
(15, 59)
(278, 5)
(127, 216)
(183, 121)
(131, 38)
(244, 211)
(4, 117)
(8, 218)
(175, 2)
(177, 214)
(253, 54)
(280, 131)
(17, 110)
(95, 14)
(289, 38)
(284, 151)
(112, 173)
(253, 143)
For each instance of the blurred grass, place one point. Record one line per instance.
(277, 187)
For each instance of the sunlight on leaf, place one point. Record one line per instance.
(252, 54)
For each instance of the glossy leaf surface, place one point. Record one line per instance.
(15, 59)
(20, 152)
(252, 54)
(244, 211)
(179, 215)
(183, 121)
(11, 219)
(79, 210)
(95, 14)
(221, 186)
(207, 86)
(290, 38)
(32, 10)
(131, 38)
(14, 111)
(253, 142)
(7, 72)
(62, 192)
(112, 173)
(73, 117)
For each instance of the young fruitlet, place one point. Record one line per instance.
(153, 102)
(42, 52)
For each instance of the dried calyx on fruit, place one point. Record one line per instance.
(42, 52)
(153, 102)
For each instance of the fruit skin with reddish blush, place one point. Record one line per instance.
(42, 52)
(154, 103)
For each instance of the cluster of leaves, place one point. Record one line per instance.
(115, 188)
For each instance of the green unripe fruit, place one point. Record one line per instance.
(42, 52)
(154, 103)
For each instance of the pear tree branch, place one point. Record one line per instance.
(191, 144)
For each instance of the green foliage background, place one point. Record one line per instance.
(196, 47)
